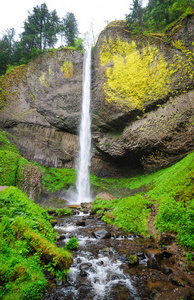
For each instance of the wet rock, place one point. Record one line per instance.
(166, 270)
(53, 222)
(176, 294)
(86, 206)
(141, 255)
(59, 282)
(51, 211)
(119, 233)
(83, 269)
(102, 234)
(190, 266)
(85, 266)
(105, 196)
(98, 216)
(155, 256)
(133, 260)
(74, 206)
(166, 254)
(177, 281)
(152, 263)
(60, 237)
(81, 223)
(166, 239)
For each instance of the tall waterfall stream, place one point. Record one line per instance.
(83, 180)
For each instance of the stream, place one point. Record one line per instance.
(102, 268)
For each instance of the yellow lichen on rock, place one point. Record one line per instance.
(137, 77)
(42, 79)
(67, 69)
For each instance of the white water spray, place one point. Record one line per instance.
(83, 180)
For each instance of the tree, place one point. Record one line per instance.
(69, 29)
(79, 44)
(136, 15)
(40, 29)
(7, 44)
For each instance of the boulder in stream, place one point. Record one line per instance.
(102, 234)
(80, 223)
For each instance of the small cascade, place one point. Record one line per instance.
(98, 271)
(83, 180)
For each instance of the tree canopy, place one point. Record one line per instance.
(41, 31)
(157, 14)
(69, 28)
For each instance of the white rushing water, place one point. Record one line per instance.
(83, 180)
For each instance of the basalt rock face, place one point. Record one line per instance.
(142, 102)
(142, 98)
(41, 107)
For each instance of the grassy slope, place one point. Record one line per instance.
(26, 240)
(26, 235)
(172, 189)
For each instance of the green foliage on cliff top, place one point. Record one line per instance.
(171, 189)
(26, 240)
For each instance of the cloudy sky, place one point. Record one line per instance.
(13, 13)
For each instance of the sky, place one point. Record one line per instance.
(89, 13)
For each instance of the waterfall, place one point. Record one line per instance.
(83, 179)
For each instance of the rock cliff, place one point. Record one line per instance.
(143, 98)
(41, 107)
(142, 101)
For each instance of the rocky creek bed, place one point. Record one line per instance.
(113, 264)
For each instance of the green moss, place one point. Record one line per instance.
(26, 243)
(8, 167)
(72, 244)
(63, 211)
(6, 144)
(54, 179)
(10, 79)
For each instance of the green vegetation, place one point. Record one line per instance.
(63, 212)
(5, 144)
(54, 179)
(26, 246)
(171, 189)
(72, 244)
(129, 213)
(157, 14)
